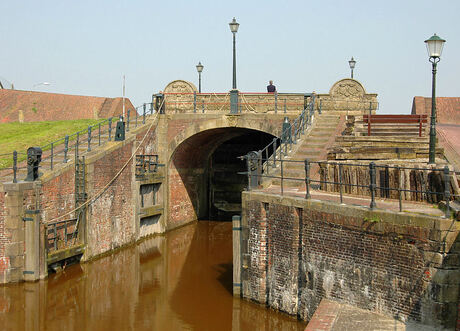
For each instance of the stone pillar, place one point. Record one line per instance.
(22, 225)
(236, 220)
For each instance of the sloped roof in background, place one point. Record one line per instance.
(447, 109)
(29, 106)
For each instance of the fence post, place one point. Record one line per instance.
(372, 184)
(282, 177)
(194, 101)
(274, 152)
(399, 188)
(89, 138)
(143, 119)
(284, 105)
(66, 148)
(276, 102)
(202, 102)
(151, 108)
(340, 182)
(77, 141)
(447, 191)
(127, 122)
(307, 178)
(248, 163)
(51, 156)
(15, 166)
(110, 128)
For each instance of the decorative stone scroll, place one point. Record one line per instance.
(350, 96)
(179, 96)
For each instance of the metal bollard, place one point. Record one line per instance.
(372, 184)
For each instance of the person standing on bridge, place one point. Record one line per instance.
(271, 88)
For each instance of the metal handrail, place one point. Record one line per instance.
(445, 173)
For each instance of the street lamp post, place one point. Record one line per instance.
(434, 47)
(199, 68)
(352, 64)
(234, 92)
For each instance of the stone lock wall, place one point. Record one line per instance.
(296, 252)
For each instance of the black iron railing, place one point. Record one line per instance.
(61, 234)
(146, 164)
(374, 181)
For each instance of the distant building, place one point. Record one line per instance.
(29, 106)
(447, 108)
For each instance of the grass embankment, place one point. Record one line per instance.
(20, 136)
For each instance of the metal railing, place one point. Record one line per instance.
(437, 189)
(61, 150)
(61, 234)
(146, 164)
(220, 102)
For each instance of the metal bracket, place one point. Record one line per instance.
(27, 219)
(28, 272)
(32, 211)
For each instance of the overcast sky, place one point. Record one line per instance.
(84, 47)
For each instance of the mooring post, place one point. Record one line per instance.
(447, 190)
(236, 222)
(372, 184)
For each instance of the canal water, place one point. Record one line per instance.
(179, 281)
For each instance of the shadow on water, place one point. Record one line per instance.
(180, 281)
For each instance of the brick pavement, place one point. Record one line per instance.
(333, 316)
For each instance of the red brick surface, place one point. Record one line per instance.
(324, 316)
(40, 106)
(447, 109)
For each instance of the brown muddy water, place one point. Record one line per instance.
(180, 281)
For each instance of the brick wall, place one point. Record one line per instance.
(393, 264)
(4, 239)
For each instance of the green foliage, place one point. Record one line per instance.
(34, 109)
(20, 136)
(373, 219)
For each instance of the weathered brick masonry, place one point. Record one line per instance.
(406, 266)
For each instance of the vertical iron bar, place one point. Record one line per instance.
(127, 121)
(276, 102)
(110, 128)
(15, 166)
(320, 107)
(447, 191)
(143, 119)
(274, 152)
(282, 177)
(284, 105)
(55, 236)
(248, 163)
(89, 138)
(52, 152)
(76, 145)
(202, 102)
(151, 108)
(66, 148)
(340, 183)
(399, 188)
(194, 101)
(65, 233)
(307, 179)
(99, 133)
(372, 184)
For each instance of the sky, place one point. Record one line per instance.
(85, 47)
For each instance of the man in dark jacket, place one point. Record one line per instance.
(271, 88)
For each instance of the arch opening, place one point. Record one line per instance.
(203, 174)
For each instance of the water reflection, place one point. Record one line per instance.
(181, 281)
